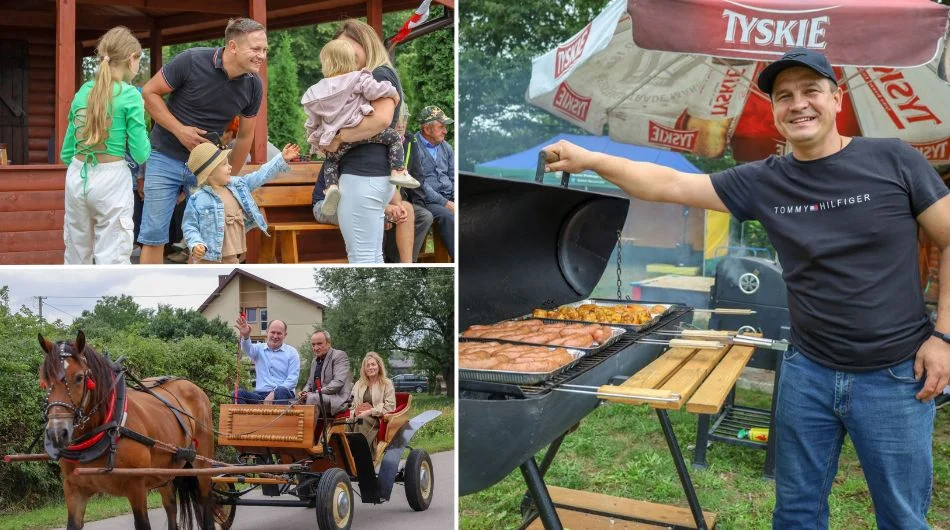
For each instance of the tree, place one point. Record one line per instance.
(175, 323)
(285, 116)
(427, 73)
(496, 46)
(112, 314)
(393, 310)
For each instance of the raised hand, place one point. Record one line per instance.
(290, 152)
(242, 326)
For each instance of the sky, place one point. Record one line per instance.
(70, 290)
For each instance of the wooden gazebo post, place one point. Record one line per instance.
(155, 49)
(257, 10)
(65, 67)
(374, 15)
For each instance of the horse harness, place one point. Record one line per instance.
(105, 437)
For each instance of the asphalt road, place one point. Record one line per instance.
(395, 514)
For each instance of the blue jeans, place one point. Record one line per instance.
(165, 178)
(892, 434)
(282, 396)
(446, 221)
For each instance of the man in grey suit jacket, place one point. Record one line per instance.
(329, 373)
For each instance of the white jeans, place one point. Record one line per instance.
(98, 220)
(362, 201)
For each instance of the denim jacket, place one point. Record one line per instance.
(204, 215)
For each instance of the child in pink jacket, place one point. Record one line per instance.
(340, 100)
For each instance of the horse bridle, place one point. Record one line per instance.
(76, 411)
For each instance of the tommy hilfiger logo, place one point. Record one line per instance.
(822, 206)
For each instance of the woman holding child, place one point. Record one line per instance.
(365, 171)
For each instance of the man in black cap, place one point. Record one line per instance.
(865, 360)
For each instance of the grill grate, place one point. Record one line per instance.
(590, 361)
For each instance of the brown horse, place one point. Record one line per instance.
(87, 401)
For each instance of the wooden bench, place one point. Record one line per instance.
(286, 204)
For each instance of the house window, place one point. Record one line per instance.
(256, 316)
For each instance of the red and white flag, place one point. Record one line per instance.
(420, 15)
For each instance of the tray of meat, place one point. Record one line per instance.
(589, 338)
(515, 364)
(631, 316)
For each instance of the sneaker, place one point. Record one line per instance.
(330, 201)
(403, 179)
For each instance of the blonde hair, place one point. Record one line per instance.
(337, 58)
(366, 37)
(114, 51)
(382, 368)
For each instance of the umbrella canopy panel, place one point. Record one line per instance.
(695, 90)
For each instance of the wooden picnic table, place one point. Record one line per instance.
(697, 378)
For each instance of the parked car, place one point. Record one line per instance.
(410, 383)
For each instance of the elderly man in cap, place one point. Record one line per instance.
(865, 359)
(433, 163)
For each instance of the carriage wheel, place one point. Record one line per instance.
(223, 512)
(334, 501)
(420, 481)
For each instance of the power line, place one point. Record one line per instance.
(60, 310)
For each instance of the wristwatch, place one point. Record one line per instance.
(944, 336)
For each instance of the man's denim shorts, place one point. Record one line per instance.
(165, 178)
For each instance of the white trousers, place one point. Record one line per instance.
(98, 224)
(362, 201)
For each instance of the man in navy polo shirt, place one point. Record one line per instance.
(206, 88)
(866, 360)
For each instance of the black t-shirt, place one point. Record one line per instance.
(845, 230)
(372, 160)
(203, 96)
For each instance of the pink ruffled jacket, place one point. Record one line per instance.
(339, 102)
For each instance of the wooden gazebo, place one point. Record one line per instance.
(42, 43)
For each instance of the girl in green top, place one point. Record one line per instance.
(107, 117)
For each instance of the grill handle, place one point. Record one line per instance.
(624, 394)
(545, 157)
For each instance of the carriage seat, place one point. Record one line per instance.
(338, 419)
(390, 423)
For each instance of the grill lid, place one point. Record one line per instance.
(526, 245)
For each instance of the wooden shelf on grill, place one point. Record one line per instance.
(582, 510)
(701, 377)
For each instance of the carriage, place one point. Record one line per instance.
(322, 460)
(125, 438)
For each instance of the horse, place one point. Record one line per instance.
(87, 402)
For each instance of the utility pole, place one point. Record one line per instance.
(40, 299)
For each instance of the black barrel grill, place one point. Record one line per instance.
(528, 245)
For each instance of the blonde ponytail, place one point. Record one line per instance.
(114, 51)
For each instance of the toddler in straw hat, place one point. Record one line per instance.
(221, 209)
(340, 100)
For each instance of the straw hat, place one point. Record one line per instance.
(204, 158)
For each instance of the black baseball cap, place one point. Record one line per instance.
(795, 57)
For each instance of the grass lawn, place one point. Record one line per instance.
(620, 450)
(439, 434)
(436, 436)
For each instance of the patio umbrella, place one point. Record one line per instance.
(680, 74)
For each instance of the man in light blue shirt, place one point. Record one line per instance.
(277, 364)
